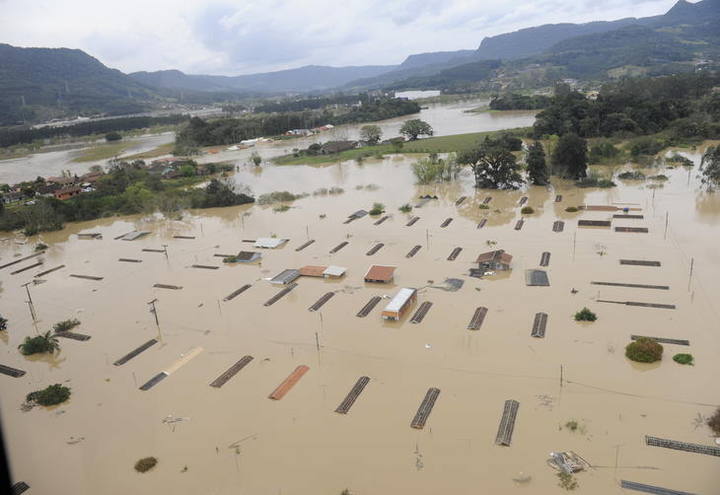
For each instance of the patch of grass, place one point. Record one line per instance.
(102, 152)
(527, 210)
(406, 208)
(684, 359)
(436, 144)
(281, 208)
(483, 206)
(572, 425)
(572, 209)
(585, 315)
(163, 149)
(65, 325)
(659, 177)
(595, 182)
(145, 464)
(278, 197)
(50, 396)
(644, 350)
(567, 481)
(377, 209)
(40, 344)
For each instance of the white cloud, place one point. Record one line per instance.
(243, 36)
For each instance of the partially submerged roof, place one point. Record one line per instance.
(285, 276)
(135, 234)
(269, 242)
(335, 271)
(497, 256)
(312, 271)
(383, 273)
(248, 256)
(358, 214)
(397, 302)
(536, 278)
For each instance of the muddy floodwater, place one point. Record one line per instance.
(445, 119)
(234, 439)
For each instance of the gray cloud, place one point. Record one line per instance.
(242, 36)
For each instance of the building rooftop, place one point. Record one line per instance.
(497, 256)
(312, 271)
(380, 272)
(285, 277)
(335, 271)
(269, 242)
(397, 302)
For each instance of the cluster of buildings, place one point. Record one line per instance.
(308, 132)
(64, 187)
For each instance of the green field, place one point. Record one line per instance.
(102, 152)
(439, 144)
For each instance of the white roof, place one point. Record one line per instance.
(400, 299)
(335, 271)
(269, 242)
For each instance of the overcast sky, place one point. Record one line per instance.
(244, 36)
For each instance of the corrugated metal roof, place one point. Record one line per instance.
(498, 255)
(248, 256)
(400, 299)
(335, 271)
(136, 234)
(269, 242)
(380, 272)
(285, 277)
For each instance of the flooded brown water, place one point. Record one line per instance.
(236, 440)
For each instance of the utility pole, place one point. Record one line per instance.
(692, 265)
(31, 305)
(165, 246)
(667, 214)
(574, 243)
(153, 310)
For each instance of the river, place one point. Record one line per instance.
(445, 119)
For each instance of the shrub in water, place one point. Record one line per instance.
(571, 209)
(3, 323)
(714, 422)
(65, 325)
(484, 207)
(684, 359)
(50, 396)
(40, 246)
(585, 315)
(406, 208)
(377, 209)
(145, 464)
(40, 344)
(632, 175)
(527, 210)
(644, 350)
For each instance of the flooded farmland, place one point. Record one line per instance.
(233, 439)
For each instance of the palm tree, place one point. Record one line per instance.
(46, 342)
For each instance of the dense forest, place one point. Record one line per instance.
(25, 135)
(298, 105)
(515, 101)
(199, 132)
(680, 107)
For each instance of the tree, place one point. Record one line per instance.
(113, 136)
(256, 158)
(414, 128)
(370, 133)
(494, 166)
(536, 166)
(46, 342)
(3, 323)
(710, 167)
(569, 158)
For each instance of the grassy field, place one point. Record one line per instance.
(102, 152)
(439, 144)
(163, 149)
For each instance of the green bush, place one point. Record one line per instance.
(406, 208)
(527, 210)
(684, 359)
(40, 344)
(277, 197)
(567, 481)
(659, 177)
(113, 136)
(377, 209)
(40, 246)
(632, 175)
(281, 208)
(644, 350)
(483, 206)
(145, 464)
(714, 422)
(585, 315)
(65, 325)
(3, 323)
(50, 396)
(572, 209)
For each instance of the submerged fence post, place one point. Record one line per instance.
(667, 214)
(692, 265)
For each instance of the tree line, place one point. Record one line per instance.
(199, 132)
(26, 135)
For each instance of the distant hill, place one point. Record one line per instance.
(54, 81)
(302, 79)
(434, 58)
